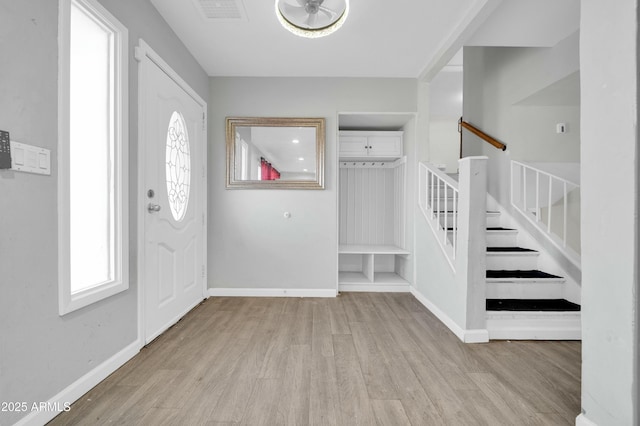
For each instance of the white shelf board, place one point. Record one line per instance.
(380, 279)
(389, 278)
(353, 278)
(375, 288)
(370, 249)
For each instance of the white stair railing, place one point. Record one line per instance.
(438, 200)
(551, 203)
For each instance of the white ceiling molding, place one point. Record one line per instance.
(452, 44)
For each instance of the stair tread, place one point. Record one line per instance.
(511, 250)
(521, 305)
(532, 273)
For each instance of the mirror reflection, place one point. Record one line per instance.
(275, 152)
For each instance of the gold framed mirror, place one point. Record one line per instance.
(275, 153)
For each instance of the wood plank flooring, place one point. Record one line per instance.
(358, 359)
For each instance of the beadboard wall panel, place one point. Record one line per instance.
(372, 203)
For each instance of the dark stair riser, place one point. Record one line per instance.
(510, 250)
(528, 274)
(533, 305)
(492, 228)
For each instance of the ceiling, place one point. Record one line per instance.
(528, 23)
(397, 38)
(379, 39)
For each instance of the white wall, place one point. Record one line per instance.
(251, 244)
(42, 353)
(435, 282)
(498, 81)
(444, 143)
(512, 94)
(445, 108)
(609, 79)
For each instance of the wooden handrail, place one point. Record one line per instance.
(479, 133)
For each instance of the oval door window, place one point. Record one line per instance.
(178, 171)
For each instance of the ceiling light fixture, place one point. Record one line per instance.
(295, 141)
(312, 18)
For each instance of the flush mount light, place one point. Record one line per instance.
(312, 18)
(295, 141)
(301, 159)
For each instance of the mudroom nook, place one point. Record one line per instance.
(373, 250)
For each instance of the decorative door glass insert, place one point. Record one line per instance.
(178, 171)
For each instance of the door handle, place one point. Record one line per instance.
(153, 207)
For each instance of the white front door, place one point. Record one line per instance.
(173, 182)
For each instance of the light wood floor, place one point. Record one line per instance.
(358, 359)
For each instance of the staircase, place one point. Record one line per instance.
(518, 300)
(524, 302)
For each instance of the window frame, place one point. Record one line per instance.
(119, 128)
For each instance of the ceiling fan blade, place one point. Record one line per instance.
(336, 6)
(293, 13)
(311, 21)
(330, 13)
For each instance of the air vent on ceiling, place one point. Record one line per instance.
(222, 10)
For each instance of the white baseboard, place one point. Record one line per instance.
(582, 420)
(375, 288)
(271, 292)
(84, 384)
(467, 336)
(479, 335)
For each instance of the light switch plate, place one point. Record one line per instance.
(30, 159)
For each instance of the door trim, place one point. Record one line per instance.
(145, 55)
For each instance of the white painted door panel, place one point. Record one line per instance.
(385, 146)
(353, 146)
(173, 130)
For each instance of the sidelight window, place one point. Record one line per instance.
(92, 155)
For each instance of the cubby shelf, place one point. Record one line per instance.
(371, 268)
(372, 212)
(370, 249)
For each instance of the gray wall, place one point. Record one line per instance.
(42, 353)
(434, 279)
(444, 143)
(445, 108)
(518, 95)
(251, 244)
(609, 79)
(508, 93)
